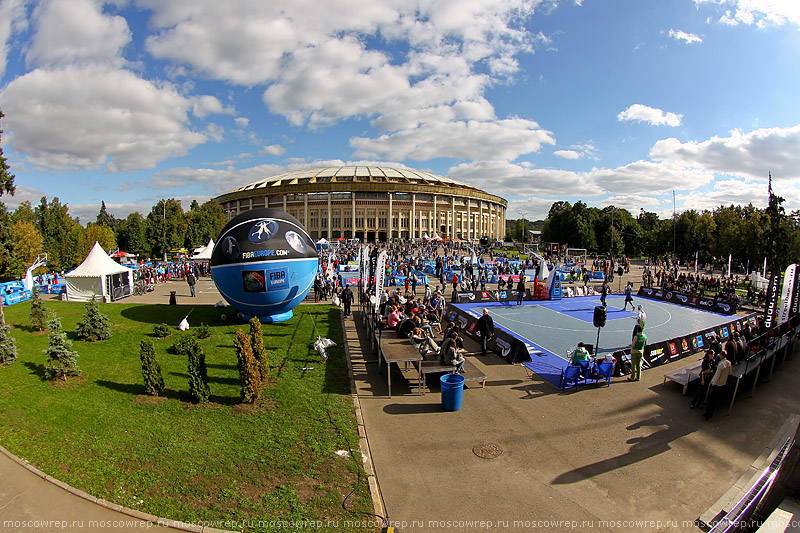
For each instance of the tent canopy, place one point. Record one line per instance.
(91, 278)
(205, 253)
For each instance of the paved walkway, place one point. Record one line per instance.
(632, 457)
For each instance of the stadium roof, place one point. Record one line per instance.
(353, 174)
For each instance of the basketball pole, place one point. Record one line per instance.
(597, 344)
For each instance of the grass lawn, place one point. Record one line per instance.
(216, 461)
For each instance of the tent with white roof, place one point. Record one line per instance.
(99, 277)
(204, 254)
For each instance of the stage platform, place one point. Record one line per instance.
(552, 328)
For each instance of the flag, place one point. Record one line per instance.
(771, 306)
(786, 294)
(380, 273)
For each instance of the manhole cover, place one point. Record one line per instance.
(487, 451)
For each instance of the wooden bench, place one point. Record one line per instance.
(685, 375)
(435, 366)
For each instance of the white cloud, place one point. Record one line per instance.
(567, 154)
(651, 115)
(204, 105)
(501, 139)
(89, 118)
(320, 65)
(750, 154)
(688, 38)
(632, 202)
(242, 122)
(759, 12)
(511, 179)
(76, 31)
(21, 194)
(12, 21)
(272, 149)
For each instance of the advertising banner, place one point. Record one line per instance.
(786, 294)
(689, 300)
(771, 306)
(380, 272)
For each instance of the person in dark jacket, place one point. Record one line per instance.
(486, 329)
(347, 299)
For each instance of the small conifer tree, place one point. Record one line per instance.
(61, 360)
(198, 374)
(248, 368)
(259, 352)
(8, 347)
(39, 315)
(95, 326)
(151, 370)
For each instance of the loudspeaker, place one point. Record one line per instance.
(599, 320)
(620, 271)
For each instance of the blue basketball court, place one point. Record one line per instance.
(551, 329)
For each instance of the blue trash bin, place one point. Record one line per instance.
(452, 391)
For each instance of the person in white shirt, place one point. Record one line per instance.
(717, 384)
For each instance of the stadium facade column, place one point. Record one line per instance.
(305, 220)
(353, 215)
(452, 226)
(390, 219)
(469, 219)
(330, 234)
(284, 203)
(413, 216)
(435, 216)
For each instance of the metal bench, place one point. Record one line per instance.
(684, 375)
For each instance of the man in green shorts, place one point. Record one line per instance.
(637, 348)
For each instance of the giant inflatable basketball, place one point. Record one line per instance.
(264, 263)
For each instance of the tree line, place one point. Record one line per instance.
(48, 228)
(747, 233)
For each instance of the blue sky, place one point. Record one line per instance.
(605, 101)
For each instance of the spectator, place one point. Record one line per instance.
(637, 349)
(717, 384)
(486, 329)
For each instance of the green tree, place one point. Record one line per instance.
(8, 346)
(39, 315)
(259, 351)
(165, 227)
(27, 248)
(76, 246)
(198, 373)
(99, 233)
(131, 236)
(248, 368)
(62, 362)
(95, 326)
(203, 222)
(776, 238)
(6, 177)
(151, 370)
(104, 218)
(54, 225)
(6, 246)
(24, 213)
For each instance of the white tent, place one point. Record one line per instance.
(99, 276)
(204, 254)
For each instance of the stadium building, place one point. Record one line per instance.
(375, 203)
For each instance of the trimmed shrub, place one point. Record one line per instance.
(151, 370)
(162, 331)
(248, 368)
(198, 374)
(95, 326)
(183, 346)
(259, 352)
(202, 331)
(61, 360)
(8, 347)
(39, 315)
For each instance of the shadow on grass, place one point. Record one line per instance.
(35, 368)
(127, 388)
(171, 315)
(211, 379)
(223, 367)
